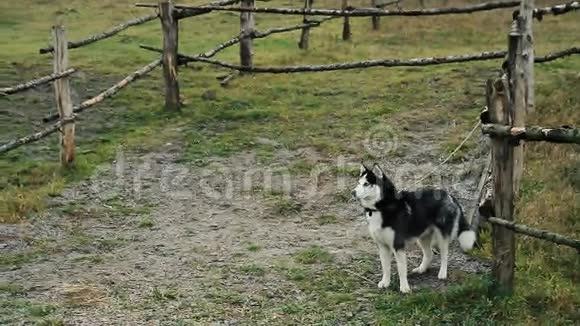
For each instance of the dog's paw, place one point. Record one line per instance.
(405, 289)
(442, 275)
(419, 270)
(383, 284)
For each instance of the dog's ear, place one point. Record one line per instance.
(363, 168)
(379, 172)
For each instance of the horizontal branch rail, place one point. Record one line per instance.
(489, 55)
(123, 26)
(556, 10)
(557, 55)
(35, 82)
(360, 12)
(35, 136)
(533, 133)
(536, 233)
(354, 65)
(110, 91)
(100, 36)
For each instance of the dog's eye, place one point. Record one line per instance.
(366, 184)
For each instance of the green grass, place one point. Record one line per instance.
(329, 112)
(314, 254)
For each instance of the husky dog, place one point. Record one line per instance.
(427, 216)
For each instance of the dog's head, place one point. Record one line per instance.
(373, 186)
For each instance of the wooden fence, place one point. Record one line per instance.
(508, 98)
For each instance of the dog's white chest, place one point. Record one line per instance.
(381, 235)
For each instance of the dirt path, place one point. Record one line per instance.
(152, 240)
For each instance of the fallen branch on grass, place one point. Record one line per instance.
(35, 82)
(35, 136)
(110, 91)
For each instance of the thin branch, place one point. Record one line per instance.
(35, 82)
(472, 216)
(254, 34)
(557, 55)
(200, 10)
(361, 12)
(352, 65)
(35, 136)
(100, 36)
(553, 10)
(533, 133)
(224, 82)
(536, 233)
(110, 91)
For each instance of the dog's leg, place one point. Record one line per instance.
(425, 245)
(444, 247)
(401, 258)
(386, 254)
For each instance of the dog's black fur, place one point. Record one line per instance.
(410, 213)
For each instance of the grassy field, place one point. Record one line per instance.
(330, 113)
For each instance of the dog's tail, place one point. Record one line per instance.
(465, 235)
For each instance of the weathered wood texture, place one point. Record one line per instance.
(35, 82)
(35, 136)
(366, 12)
(472, 216)
(346, 33)
(557, 55)
(527, 53)
(170, 28)
(536, 233)
(533, 133)
(111, 90)
(184, 13)
(555, 10)
(490, 55)
(517, 96)
(305, 35)
(101, 36)
(354, 65)
(246, 29)
(63, 97)
(375, 20)
(503, 170)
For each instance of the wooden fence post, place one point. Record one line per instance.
(63, 98)
(169, 25)
(503, 197)
(346, 26)
(376, 20)
(305, 36)
(521, 74)
(246, 29)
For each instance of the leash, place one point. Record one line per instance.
(435, 169)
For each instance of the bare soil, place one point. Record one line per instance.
(150, 239)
